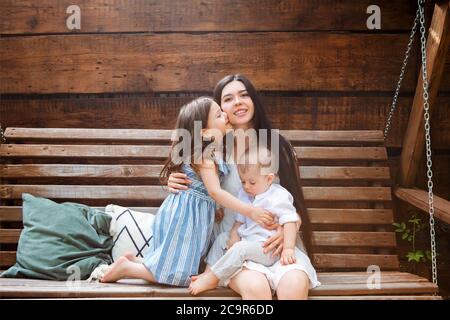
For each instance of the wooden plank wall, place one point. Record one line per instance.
(320, 65)
(133, 63)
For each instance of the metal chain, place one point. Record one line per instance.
(402, 72)
(2, 135)
(426, 116)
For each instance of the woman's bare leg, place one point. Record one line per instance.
(293, 285)
(251, 285)
(124, 268)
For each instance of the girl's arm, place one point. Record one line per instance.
(210, 178)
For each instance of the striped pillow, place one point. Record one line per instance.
(131, 230)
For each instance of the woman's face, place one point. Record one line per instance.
(238, 105)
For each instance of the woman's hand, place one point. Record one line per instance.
(178, 181)
(275, 242)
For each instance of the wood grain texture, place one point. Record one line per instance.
(286, 113)
(46, 16)
(158, 193)
(438, 43)
(135, 288)
(419, 199)
(19, 171)
(162, 152)
(101, 63)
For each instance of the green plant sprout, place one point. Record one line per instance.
(409, 232)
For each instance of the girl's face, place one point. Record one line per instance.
(217, 122)
(238, 105)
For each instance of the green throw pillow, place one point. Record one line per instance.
(60, 240)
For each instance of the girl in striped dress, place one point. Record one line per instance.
(183, 225)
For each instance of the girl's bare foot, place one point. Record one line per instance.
(117, 270)
(132, 257)
(203, 282)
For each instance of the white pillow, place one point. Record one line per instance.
(131, 231)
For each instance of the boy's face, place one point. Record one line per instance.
(253, 182)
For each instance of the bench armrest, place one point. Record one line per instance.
(419, 199)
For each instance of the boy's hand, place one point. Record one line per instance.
(288, 256)
(219, 214)
(233, 239)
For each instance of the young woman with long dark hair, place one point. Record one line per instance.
(238, 98)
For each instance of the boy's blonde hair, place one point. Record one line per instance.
(260, 157)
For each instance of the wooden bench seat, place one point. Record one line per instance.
(335, 284)
(346, 183)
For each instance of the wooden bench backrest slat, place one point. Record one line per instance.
(152, 171)
(319, 238)
(316, 215)
(161, 152)
(158, 193)
(156, 136)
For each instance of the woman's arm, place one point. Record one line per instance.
(210, 178)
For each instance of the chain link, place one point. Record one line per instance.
(2, 135)
(426, 115)
(402, 72)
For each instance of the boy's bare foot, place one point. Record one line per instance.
(116, 270)
(203, 282)
(193, 278)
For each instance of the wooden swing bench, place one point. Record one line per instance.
(347, 187)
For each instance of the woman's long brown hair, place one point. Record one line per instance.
(288, 166)
(196, 110)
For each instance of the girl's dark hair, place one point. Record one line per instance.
(288, 166)
(196, 110)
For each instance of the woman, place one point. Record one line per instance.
(238, 98)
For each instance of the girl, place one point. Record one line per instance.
(239, 99)
(184, 222)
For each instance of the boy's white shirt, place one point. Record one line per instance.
(276, 200)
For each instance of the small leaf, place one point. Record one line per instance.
(404, 236)
(414, 256)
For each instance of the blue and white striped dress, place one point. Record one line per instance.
(182, 232)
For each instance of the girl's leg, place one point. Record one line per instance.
(124, 268)
(293, 285)
(251, 285)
